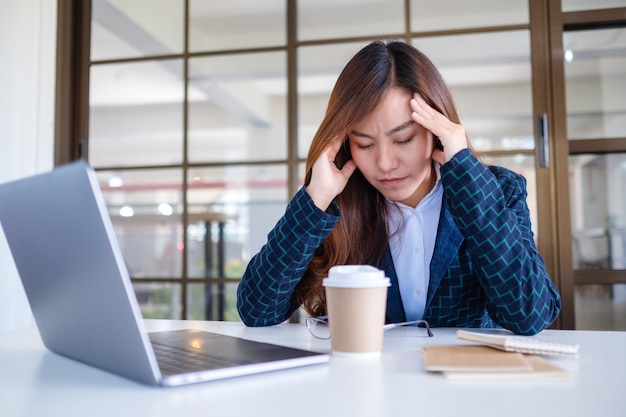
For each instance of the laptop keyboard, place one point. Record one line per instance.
(173, 361)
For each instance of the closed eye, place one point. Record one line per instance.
(406, 141)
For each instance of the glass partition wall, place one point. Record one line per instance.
(595, 81)
(188, 120)
(188, 134)
(200, 115)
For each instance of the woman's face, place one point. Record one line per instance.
(392, 151)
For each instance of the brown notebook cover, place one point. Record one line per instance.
(542, 371)
(487, 363)
(473, 358)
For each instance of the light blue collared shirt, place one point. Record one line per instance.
(413, 233)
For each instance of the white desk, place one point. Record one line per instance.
(35, 382)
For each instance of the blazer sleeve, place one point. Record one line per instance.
(489, 207)
(265, 293)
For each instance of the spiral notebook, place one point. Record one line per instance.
(520, 344)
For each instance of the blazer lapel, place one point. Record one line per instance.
(395, 308)
(447, 245)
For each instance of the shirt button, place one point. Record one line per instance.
(416, 250)
(418, 292)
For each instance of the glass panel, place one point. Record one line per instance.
(523, 165)
(135, 114)
(237, 206)
(429, 15)
(123, 29)
(145, 209)
(595, 77)
(318, 70)
(600, 307)
(221, 25)
(489, 75)
(577, 5)
(598, 210)
(159, 300)
(212, 302)
(324, 19)
(238, 108)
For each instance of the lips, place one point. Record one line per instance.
(391, 181)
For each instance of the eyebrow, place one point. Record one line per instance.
(391, 132)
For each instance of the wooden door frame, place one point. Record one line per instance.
(72, 96)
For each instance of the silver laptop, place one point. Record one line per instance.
(79, 290)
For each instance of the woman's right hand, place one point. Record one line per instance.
(327, 181)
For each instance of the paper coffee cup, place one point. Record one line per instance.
(356, 299)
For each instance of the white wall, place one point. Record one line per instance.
(27, 79)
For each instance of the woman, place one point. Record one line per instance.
(391, 182)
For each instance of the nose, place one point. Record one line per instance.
(386, 158)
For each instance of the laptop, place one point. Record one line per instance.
(62, 240)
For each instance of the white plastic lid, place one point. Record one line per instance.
(356, 276)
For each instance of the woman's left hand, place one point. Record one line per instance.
(451, 135)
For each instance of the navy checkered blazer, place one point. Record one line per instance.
(485, 270)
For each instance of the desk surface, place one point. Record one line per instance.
(36, 382)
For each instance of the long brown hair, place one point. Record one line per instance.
(361, 236)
